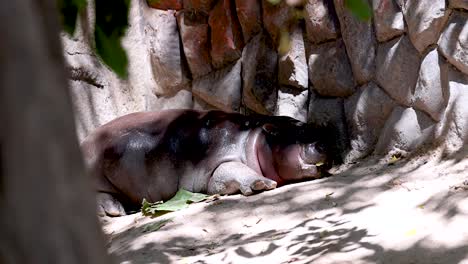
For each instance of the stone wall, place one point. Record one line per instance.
(388, 85)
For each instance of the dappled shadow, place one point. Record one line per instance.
(326, 228)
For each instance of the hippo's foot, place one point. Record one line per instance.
(108, 205)
(232, 177)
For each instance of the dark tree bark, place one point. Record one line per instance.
(47, 209)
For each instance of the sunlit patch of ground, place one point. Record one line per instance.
(370, 212)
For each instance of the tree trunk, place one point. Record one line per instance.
(47, 208)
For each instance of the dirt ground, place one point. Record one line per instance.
(414, 211)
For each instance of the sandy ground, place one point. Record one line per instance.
(415, 211)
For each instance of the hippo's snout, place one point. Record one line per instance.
(314, 153)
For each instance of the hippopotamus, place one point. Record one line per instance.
(152, 155)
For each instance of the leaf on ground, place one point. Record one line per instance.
(180, 201)
(156, 226)
(394, 159)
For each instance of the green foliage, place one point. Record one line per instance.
(69, 10)
(180, 201)
(360, 8)
(111, 24)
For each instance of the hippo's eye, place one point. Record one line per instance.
(313, 153)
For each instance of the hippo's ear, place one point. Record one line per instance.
(270, 129)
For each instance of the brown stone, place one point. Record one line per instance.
(167, 60)
(397, 69)
(249, 15)
(259, 71)
(199, 5)
(329, 69)
(165, 4)
(221, 88)
(293, 65)
(226, 35)
(277, 18)
(360, 42)
(321, 21)
(194, 32)
(388, 19)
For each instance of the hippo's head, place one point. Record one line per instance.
(299, 151)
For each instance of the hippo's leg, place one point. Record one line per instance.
(231, 177)
(108, 205)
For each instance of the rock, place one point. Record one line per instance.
(321, 21)
(293, 65)
(366, 112)
(98, 95)
(181, 100)
(292, 103)
(431, 88)
(194, 32)
(453, 128)
(453, 41)
(425, 21)
(388, 19)
(199, 104)
(165, 4)
(360, 43)
(226, 35)
(259, 66)
(329, 69)
(405, 130)
(277, 18)
(249, 15)
(222, 88)
(165, 52)
(459, 4)
(330, 111)
(203, 6)
(397, 69)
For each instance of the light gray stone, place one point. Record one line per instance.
(292, 102)
(360, 43)
(330, 111)
(397, 69)
(453, 128)
(459, 4)
(431, 87)
(453, 42)
(221, 88)
(329, 69)
(259, 66)
(98, 94)
(165, 50)
(366, 112)
(405, 130)
(292, 66)
(181, 100)
(388, 19)
(321, 21)
(425, 21)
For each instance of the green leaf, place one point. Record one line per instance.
(111, 24)
(180, 201)
(360, 8)
(111, 52)
(69, 10)
(274, 2)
